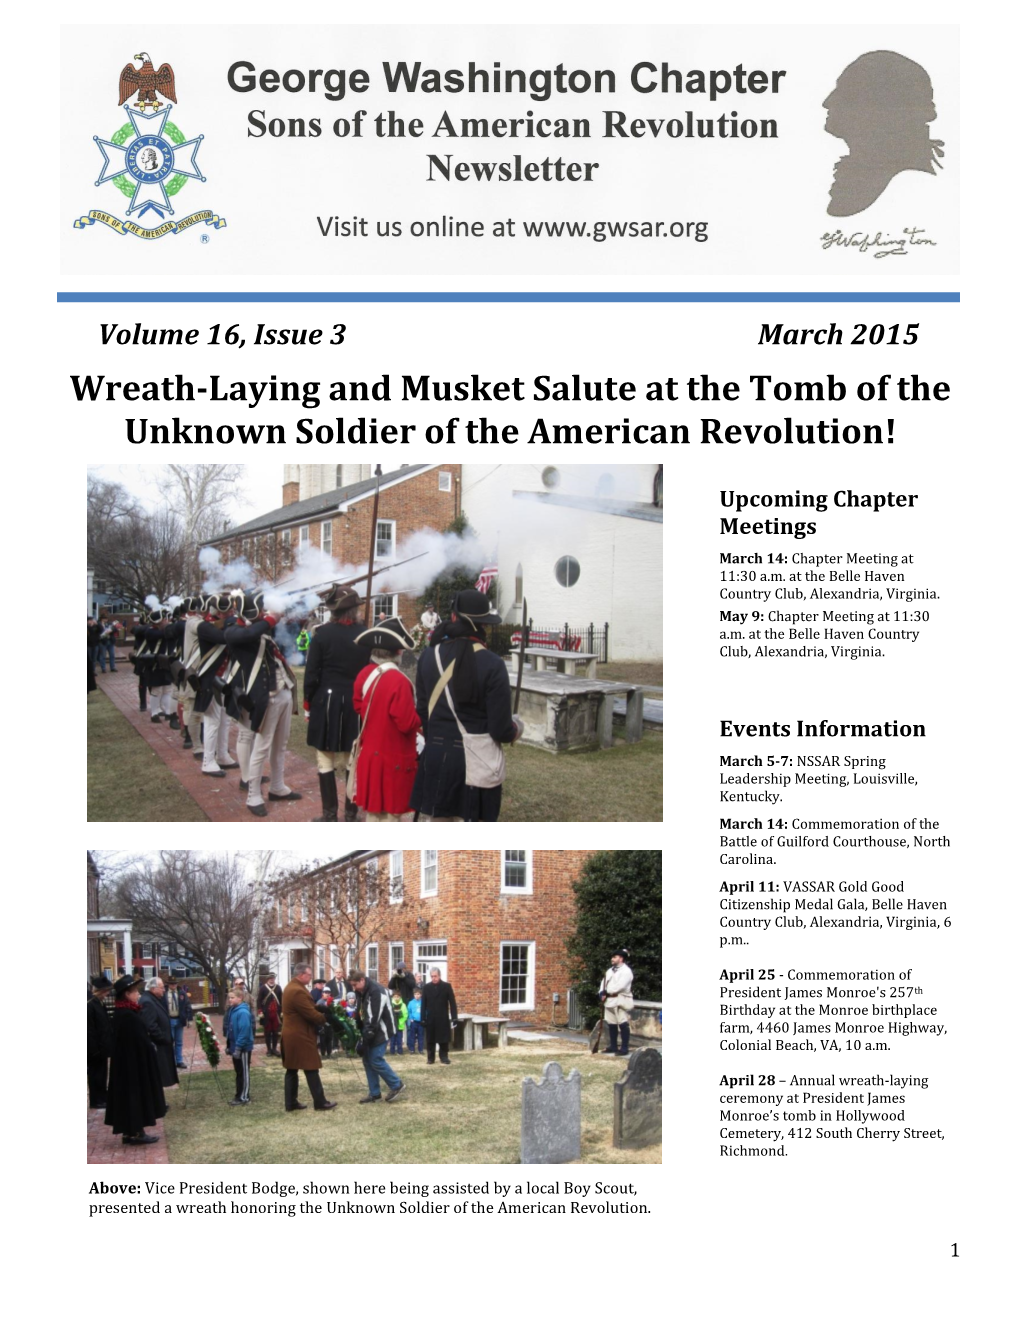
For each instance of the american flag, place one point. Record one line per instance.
(487, 577)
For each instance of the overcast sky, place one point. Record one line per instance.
(259, 490)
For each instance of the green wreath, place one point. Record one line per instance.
(126, 185)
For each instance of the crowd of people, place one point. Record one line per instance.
(212, 670)
(104, 633)
(135, 1052)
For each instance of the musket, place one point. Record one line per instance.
(349, 582)
(371, 546)
(598, 1033)
(520, 658)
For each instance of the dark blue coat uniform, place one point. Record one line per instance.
(334, 661)
(439, 789)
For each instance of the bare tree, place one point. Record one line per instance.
(205, 902)
(134, 553)
(200, 494)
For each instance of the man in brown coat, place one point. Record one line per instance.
(299, 1042)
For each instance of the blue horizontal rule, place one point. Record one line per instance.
(502, 296)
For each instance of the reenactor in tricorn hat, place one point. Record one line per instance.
(335, 658)
(210, 670)
(162, 699)
(384, 698)
(462, 688)
(269, 694)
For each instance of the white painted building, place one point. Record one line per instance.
(582, 543)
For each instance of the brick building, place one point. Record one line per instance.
(495, 922)
(336, 519)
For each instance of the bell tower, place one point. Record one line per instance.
(303, 480)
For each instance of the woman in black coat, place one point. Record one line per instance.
(480, 694)
(98, 1041)
(135, 1092)
(334, 661)
(439, 1013)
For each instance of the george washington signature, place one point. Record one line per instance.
(878, 244)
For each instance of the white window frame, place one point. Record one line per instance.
(425, 854)
(334, 960)
(391, 523)
(371, 949)
(371, 882)
(528, 887)
(395, 959)
(430, 961)
(447, 478)
(285, 537)
(395, 895)
(326, 537)
(529, 1004)
(377, 610)
(304, 534)
(320, 963)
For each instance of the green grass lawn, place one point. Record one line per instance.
(126, 779)
(469, 1113)
(624, 784)
(632, 671)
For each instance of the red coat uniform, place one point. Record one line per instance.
(388, 760)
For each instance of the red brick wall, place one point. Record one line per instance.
(414, 505)
(473, 916)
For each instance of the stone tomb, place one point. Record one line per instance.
(637, 1102)
(551, 1117)
(565, 714)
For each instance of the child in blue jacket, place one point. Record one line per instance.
(415, 1026)
(240, 1032)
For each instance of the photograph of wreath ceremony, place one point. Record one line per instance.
(398, 1007)
(340, 643)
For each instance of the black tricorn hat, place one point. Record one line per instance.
(338, 597)
(125, 983)
(101, 982)
(252, 605)
(474, 605)
(219, 603)
(387, 635)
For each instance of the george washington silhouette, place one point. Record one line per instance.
(881, 107)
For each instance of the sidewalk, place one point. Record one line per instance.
(220, 799)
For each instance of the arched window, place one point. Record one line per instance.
(550, 477)
(657, 489)
(519, 585)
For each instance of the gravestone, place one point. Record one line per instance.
(551, 1117)
(637, 1102)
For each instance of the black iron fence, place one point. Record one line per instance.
(505, 637)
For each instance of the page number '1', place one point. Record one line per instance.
(956, 1254)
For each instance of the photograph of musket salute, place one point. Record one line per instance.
(431, 642)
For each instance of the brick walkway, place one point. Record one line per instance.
(105, 1148)
(220, 799)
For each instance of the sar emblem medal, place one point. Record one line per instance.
(148, 160)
